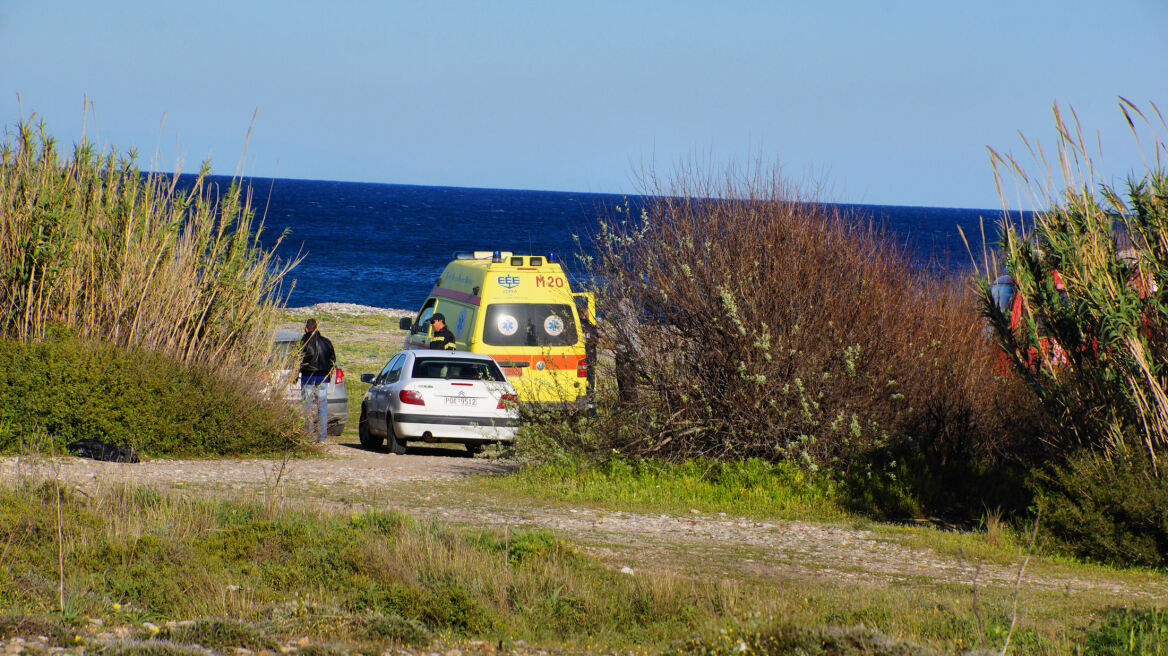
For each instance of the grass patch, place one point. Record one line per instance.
(378, 577)
(751, 487)
(1128, 631)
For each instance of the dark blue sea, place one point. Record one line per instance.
(385, 245)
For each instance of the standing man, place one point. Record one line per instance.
(317, 362)
(443, 338)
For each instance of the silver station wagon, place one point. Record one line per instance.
(438, 396)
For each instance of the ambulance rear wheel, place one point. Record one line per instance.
(396, 446)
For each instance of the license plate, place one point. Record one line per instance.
(460, 400)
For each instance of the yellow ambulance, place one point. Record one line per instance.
(521, 311)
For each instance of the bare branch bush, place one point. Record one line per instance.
(754, 321)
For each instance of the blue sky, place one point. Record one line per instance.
(882, 101)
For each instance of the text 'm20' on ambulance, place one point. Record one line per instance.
(520, 310)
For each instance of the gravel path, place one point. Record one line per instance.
(695, 542)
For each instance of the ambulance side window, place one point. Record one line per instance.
(422, 325)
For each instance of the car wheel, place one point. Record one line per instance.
(396, 445)
(474, 448)
(367, 439)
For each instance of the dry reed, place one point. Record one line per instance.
(90, 244)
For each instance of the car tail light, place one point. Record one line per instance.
(582, 369)
(340, 377)
(411, 397)
(508, 401)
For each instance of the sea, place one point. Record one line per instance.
(384, 245)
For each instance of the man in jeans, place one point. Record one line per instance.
(317, 362)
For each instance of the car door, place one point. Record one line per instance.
(419, 335)
(376, 401)
(391, 383)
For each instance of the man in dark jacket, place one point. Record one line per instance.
(443, 338)
(317, 361)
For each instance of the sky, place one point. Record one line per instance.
(872, 101)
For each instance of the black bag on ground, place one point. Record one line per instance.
(99, 450)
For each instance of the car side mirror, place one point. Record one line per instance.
(405, 323)
(367, 379)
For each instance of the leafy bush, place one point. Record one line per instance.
(71, 389)
(1108, 509)
(747, 321)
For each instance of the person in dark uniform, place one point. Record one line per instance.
(443, 338)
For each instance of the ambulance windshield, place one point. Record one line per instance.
(529, 324)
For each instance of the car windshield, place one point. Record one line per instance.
(456, 369)
(529, 324)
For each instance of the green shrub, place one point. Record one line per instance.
(906, 480)
(1107, 509)
(73, 389)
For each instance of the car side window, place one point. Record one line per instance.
(395, 371)
(384, 375)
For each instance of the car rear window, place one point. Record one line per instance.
(529, 324)
(286, 349)
(456, 369)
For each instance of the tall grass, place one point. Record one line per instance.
(1106, 383)
(90, 243)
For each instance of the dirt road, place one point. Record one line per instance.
(349, 477)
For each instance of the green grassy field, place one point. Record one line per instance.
(332, 571)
